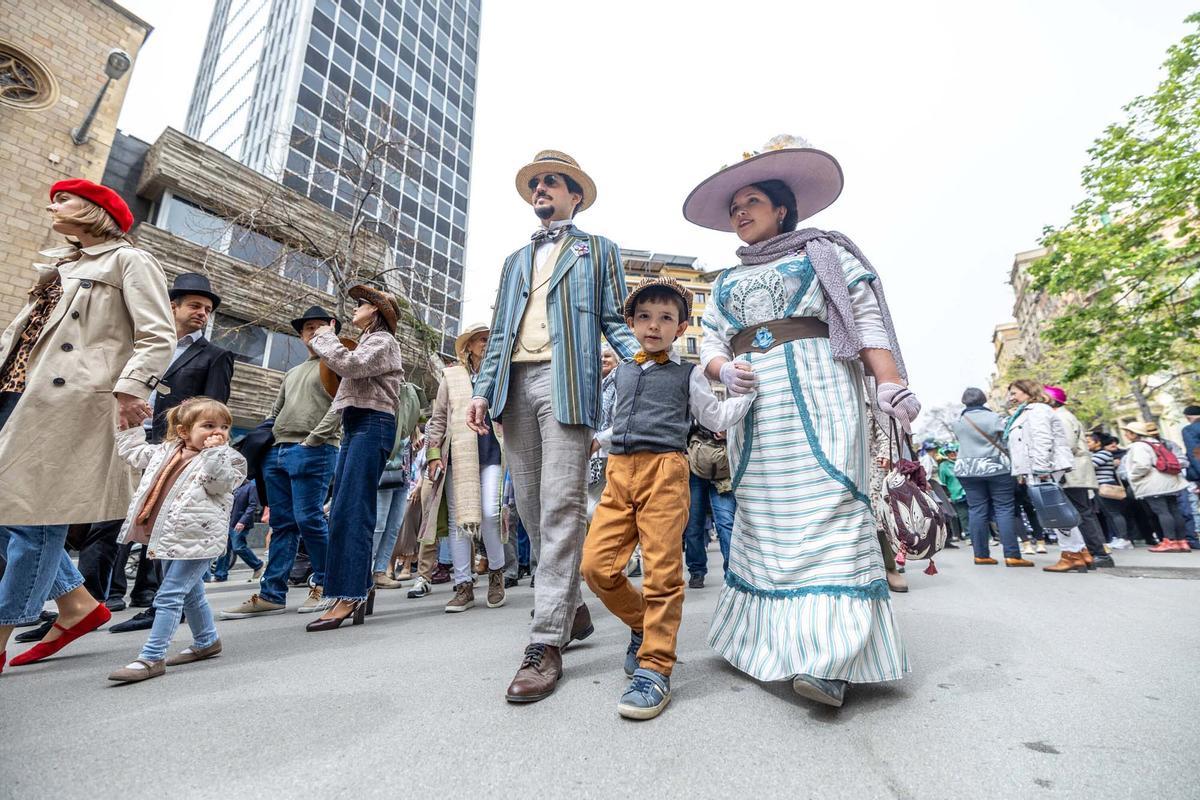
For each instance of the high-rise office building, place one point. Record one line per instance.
(357, 104)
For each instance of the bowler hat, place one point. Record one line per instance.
(194, 283)
(318, 313)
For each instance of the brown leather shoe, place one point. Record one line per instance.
(582, 627)
(1018, 562)
(541, 667)
(1068, 562)
(983, 561)
(1088, 561)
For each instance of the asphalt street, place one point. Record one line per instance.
(1023, 684)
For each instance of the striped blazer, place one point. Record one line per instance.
(586, 295)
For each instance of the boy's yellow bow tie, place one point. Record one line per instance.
(661, 357)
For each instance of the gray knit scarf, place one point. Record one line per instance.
(844, 337)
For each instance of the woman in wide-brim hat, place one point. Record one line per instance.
(367, 397)
(802, 317)
(91, 342)
(469, 468)
(1156, 488)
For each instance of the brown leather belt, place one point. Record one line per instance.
(762, 338)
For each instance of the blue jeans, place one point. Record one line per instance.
(389, 513)
(181, 591)
(695, 538)
(1189, 519)
(237, 548)
(37, 569)
(367, 438)
(297, 481)
(992, 499)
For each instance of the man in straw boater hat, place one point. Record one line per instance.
(541, 379)
(297, 471)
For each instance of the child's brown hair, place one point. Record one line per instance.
(191, 411)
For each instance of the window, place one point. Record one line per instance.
(247, 342)
(691, 346)
(699, 297)
(307, 270)
(195, 224)
(254, 248)
(286, 351)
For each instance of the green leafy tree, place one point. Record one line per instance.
(1126, 261)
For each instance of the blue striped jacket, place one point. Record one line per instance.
(586, 295)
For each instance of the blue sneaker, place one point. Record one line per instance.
(822, 690)
(635, 644)
(647, 695)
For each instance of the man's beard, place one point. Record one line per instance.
(544, 212)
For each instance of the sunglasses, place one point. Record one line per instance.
(550, 181)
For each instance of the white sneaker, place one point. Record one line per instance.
(420, 588)
(1121, 544)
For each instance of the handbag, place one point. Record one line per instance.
(907, 509)
(1053, 508)
(1111, 491)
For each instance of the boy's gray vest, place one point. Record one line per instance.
(652, 413)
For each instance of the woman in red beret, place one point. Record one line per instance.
(78, 362)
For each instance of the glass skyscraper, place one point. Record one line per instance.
(352, 102)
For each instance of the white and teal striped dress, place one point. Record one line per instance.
(806, 591)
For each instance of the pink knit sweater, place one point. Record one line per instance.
(371, 373)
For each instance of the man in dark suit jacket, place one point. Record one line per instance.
(198, 369)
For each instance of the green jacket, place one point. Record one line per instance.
(950, 481)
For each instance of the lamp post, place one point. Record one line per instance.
(115, 67)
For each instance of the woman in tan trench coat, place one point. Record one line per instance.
(78, 362)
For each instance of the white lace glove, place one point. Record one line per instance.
(738, 381)
(899, 403)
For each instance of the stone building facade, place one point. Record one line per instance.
(52, 56)
(261, 245)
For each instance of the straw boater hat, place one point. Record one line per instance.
(386, 304)
(1141, 428)
(460, 344)
(560, 162)
(648, 283)
(814, 176)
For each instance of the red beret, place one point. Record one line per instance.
(102, 196)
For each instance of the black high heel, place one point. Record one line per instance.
(357, 616)
(370, 602)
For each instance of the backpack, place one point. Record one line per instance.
(908, 511)
(1164, 459)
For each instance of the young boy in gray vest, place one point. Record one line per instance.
(647, 497)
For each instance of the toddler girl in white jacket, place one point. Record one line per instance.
(180, 512)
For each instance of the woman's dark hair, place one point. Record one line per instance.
(973, 397)
(1102, 438)
(378, 322)
(780, 194)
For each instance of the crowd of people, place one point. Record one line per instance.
(545, 451)
(1140, 487)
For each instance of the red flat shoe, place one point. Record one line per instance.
(95, 618)
(3, 655)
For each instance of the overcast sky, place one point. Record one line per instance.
(961, 128)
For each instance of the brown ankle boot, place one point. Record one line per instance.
(1088, 561)
(495, 593)
(1068, 562)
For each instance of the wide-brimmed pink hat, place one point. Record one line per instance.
(814, 176)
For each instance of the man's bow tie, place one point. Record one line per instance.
(660, 357)
(543, 235)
